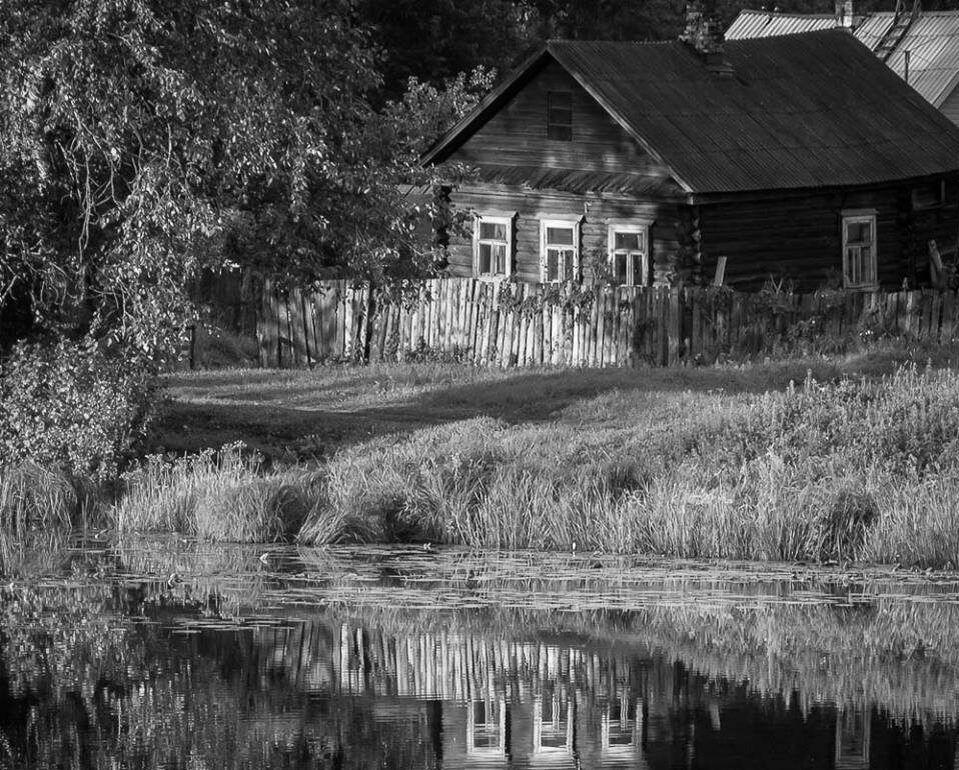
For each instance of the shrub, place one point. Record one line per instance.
(71, 405)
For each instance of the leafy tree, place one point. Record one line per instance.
(141, 140)
(434, 41)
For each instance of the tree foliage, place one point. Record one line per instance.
(144, 139)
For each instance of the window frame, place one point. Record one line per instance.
(628, 227)
(559, 131)
(558, 224)
(870, 281)
(494, 219)
(928, 197)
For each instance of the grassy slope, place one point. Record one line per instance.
(690, 462)
(305, 415)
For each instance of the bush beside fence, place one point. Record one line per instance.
(518, 324)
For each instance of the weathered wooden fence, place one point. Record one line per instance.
(515, 324)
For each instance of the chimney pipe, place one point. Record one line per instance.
(705, 34)
(844, 13)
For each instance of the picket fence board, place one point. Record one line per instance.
(518, 324)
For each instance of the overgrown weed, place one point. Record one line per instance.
(39, 508)
(222, 495)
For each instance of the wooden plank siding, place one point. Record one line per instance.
(509, 324)
(516, 134)
(593, 212)
(799, 237)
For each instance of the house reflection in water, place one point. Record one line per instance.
(488, 702)
(852, 740)
(486, 731)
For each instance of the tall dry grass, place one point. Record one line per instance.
(39, 508)
(221, 496)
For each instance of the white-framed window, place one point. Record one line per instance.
(492, 246)
(859, 265)
(628, 253)
(558, 250)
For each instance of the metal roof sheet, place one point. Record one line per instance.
(794, 114)
(809, 110)
(752, 24)
(932, 41)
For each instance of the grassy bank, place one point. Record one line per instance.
(845, 459)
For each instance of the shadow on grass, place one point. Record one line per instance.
(308, 414)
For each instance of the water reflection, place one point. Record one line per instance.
(121, 671)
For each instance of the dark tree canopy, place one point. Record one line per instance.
(142, 139)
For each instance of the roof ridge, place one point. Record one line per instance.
(792, 14)
(565, 41)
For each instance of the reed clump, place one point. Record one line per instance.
(39, 507)
(223, 495)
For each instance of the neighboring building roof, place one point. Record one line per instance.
(794, 113)
(932, 40)
(752, 24)
(931, 37)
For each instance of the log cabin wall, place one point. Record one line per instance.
(799, 237)
(593, 212)
(516, 134)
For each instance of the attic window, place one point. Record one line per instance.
(559, 116)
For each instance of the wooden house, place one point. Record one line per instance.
(922, 47)
(799, 157)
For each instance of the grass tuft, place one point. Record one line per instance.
(221, 496)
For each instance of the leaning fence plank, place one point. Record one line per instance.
(516, 324)
(535, 343)
(568, 319)
(597, 323)
(283, 332)
(935, 319)
(309, 331)
(266, 328)
(948, 308)
(611, 334)
(625, 327)
(523, 319)
(675, 324)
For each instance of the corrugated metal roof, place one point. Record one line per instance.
(932, 40)
(794, 115)
(752, 24)
(579, 182)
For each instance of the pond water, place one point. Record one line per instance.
(166, 653)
